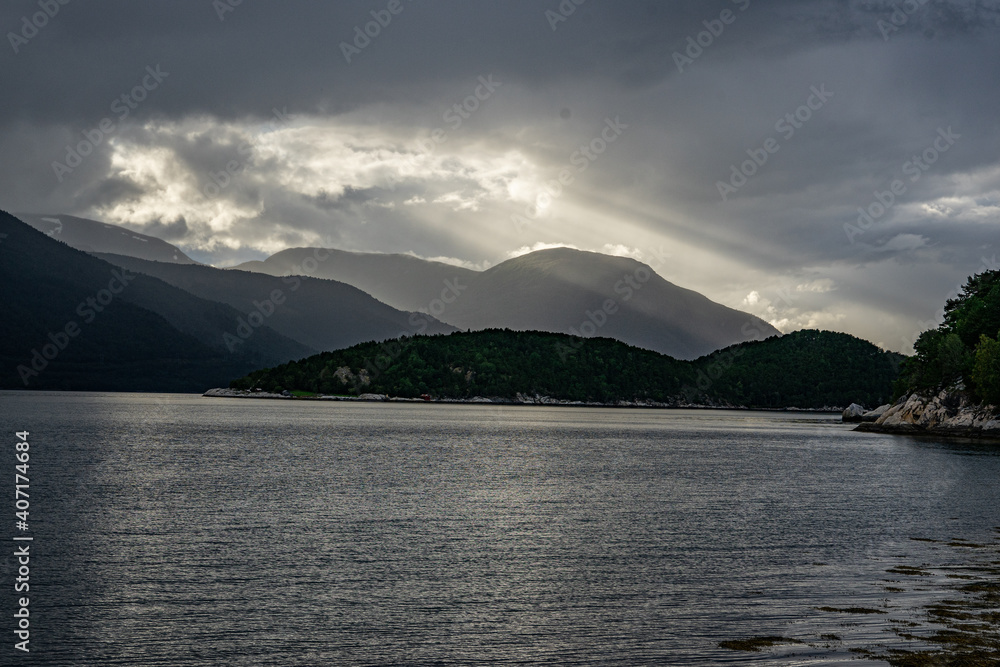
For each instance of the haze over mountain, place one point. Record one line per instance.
(571, 291)
(462, 130)
(93, 236)
(73, 321)
(323, 314)
(402, 281)
(560, 290)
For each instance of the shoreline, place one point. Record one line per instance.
(954, 625)
(520, 400)
(947, 414)
(943, 433)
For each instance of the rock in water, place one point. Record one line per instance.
(853, 413)
(873, 415)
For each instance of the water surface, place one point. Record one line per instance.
(179, 530)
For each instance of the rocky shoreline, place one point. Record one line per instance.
(520, 399)
(949, 413)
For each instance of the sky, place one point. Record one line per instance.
(822, 164)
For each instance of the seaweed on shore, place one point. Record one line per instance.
(970, 636)
(909, 570)
(756, 643)
(964, 628)
(852, 610)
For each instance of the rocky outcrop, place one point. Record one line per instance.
(873, 415)
(948, 413)
(241, 393)
(256, 393)
(853, 413)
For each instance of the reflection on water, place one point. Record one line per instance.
(179, 530)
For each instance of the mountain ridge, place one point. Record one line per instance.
(323, 314)
(402, 281)
(73, 321)
(560, 290)
(96, 237)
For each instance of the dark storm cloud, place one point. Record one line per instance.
(90, 54)
(109, 191)
(352, 160)
(168, 230)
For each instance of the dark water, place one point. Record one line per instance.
(179, 530)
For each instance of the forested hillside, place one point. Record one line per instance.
(964, 348)
(806, 369)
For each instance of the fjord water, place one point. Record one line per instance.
(180, 530)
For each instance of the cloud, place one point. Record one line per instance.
(456, 261)
(821, 285)
(535, 247)
(904, 242)
(239, 155)
(621, 250)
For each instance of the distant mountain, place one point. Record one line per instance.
(323, 314)
(560, 290)
(73, 321)
(93, 236)
(402, 281)
(590, 294)
(805, 369)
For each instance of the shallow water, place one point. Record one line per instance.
(180, 530)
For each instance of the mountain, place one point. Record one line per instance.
(402, 281)
(805, 369)
(323, 314)
(92, 236)
(572, 291)
(559, 290)
(73, 321)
